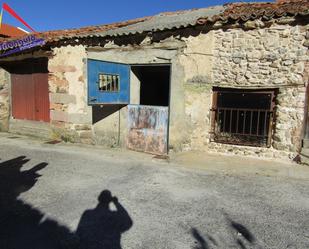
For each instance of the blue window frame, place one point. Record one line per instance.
(108, 82)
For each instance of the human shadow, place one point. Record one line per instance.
(101, 227)
(203, 242)
(200, 240)
(241, 235)
(23, 226)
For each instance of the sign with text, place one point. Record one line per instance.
(15, 46)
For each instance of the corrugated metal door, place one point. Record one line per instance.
(41, 97)
(30, 97)
(148, 129)
(23, 99)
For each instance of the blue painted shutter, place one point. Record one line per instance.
(95, 96)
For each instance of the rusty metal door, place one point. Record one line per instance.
(30, 96)
(23, 99)
(148, 129)
(41, 97)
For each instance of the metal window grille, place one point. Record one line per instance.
(242, 118)
(109, 83)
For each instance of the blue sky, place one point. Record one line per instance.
(60, 14)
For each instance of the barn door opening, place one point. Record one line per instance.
(148, 121)
(29, 89)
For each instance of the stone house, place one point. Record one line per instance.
(231, 78)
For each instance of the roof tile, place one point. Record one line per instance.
(180, 19)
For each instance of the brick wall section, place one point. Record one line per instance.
(70, 115)
(4, 100)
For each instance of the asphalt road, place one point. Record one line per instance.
(74, 197)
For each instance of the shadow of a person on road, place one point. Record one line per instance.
(21, 225)
(201, 242)
(101, 227)
(242, 237)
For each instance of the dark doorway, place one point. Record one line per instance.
(155, 84)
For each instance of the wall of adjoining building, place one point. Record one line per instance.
(274, 57)
(4, 100)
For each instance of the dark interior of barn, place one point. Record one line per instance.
(243, 116)
(155, 84)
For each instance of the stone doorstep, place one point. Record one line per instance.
(30, 128)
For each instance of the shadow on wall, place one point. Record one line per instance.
(242, 237)
(25, 227)
(101, 112)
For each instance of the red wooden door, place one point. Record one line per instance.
(30, 97)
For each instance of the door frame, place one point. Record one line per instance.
(169, 94)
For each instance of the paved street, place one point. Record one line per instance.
(70, 196)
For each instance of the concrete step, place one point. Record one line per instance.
(30, 128)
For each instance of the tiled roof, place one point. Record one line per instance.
(57, 35)
(167, 21)
(182, 19)
(266, 11)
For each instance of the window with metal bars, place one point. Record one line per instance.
(108, 83)
(242, 117)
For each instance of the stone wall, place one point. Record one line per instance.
(70, 115)
(73, 120)
(4, 100)
(197, 60)
(113, 128)
(269, 57)
(274, 57)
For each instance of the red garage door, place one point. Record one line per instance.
(30, 97)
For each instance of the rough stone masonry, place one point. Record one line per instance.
(274, 57)
(4, 100)
(253, 56)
